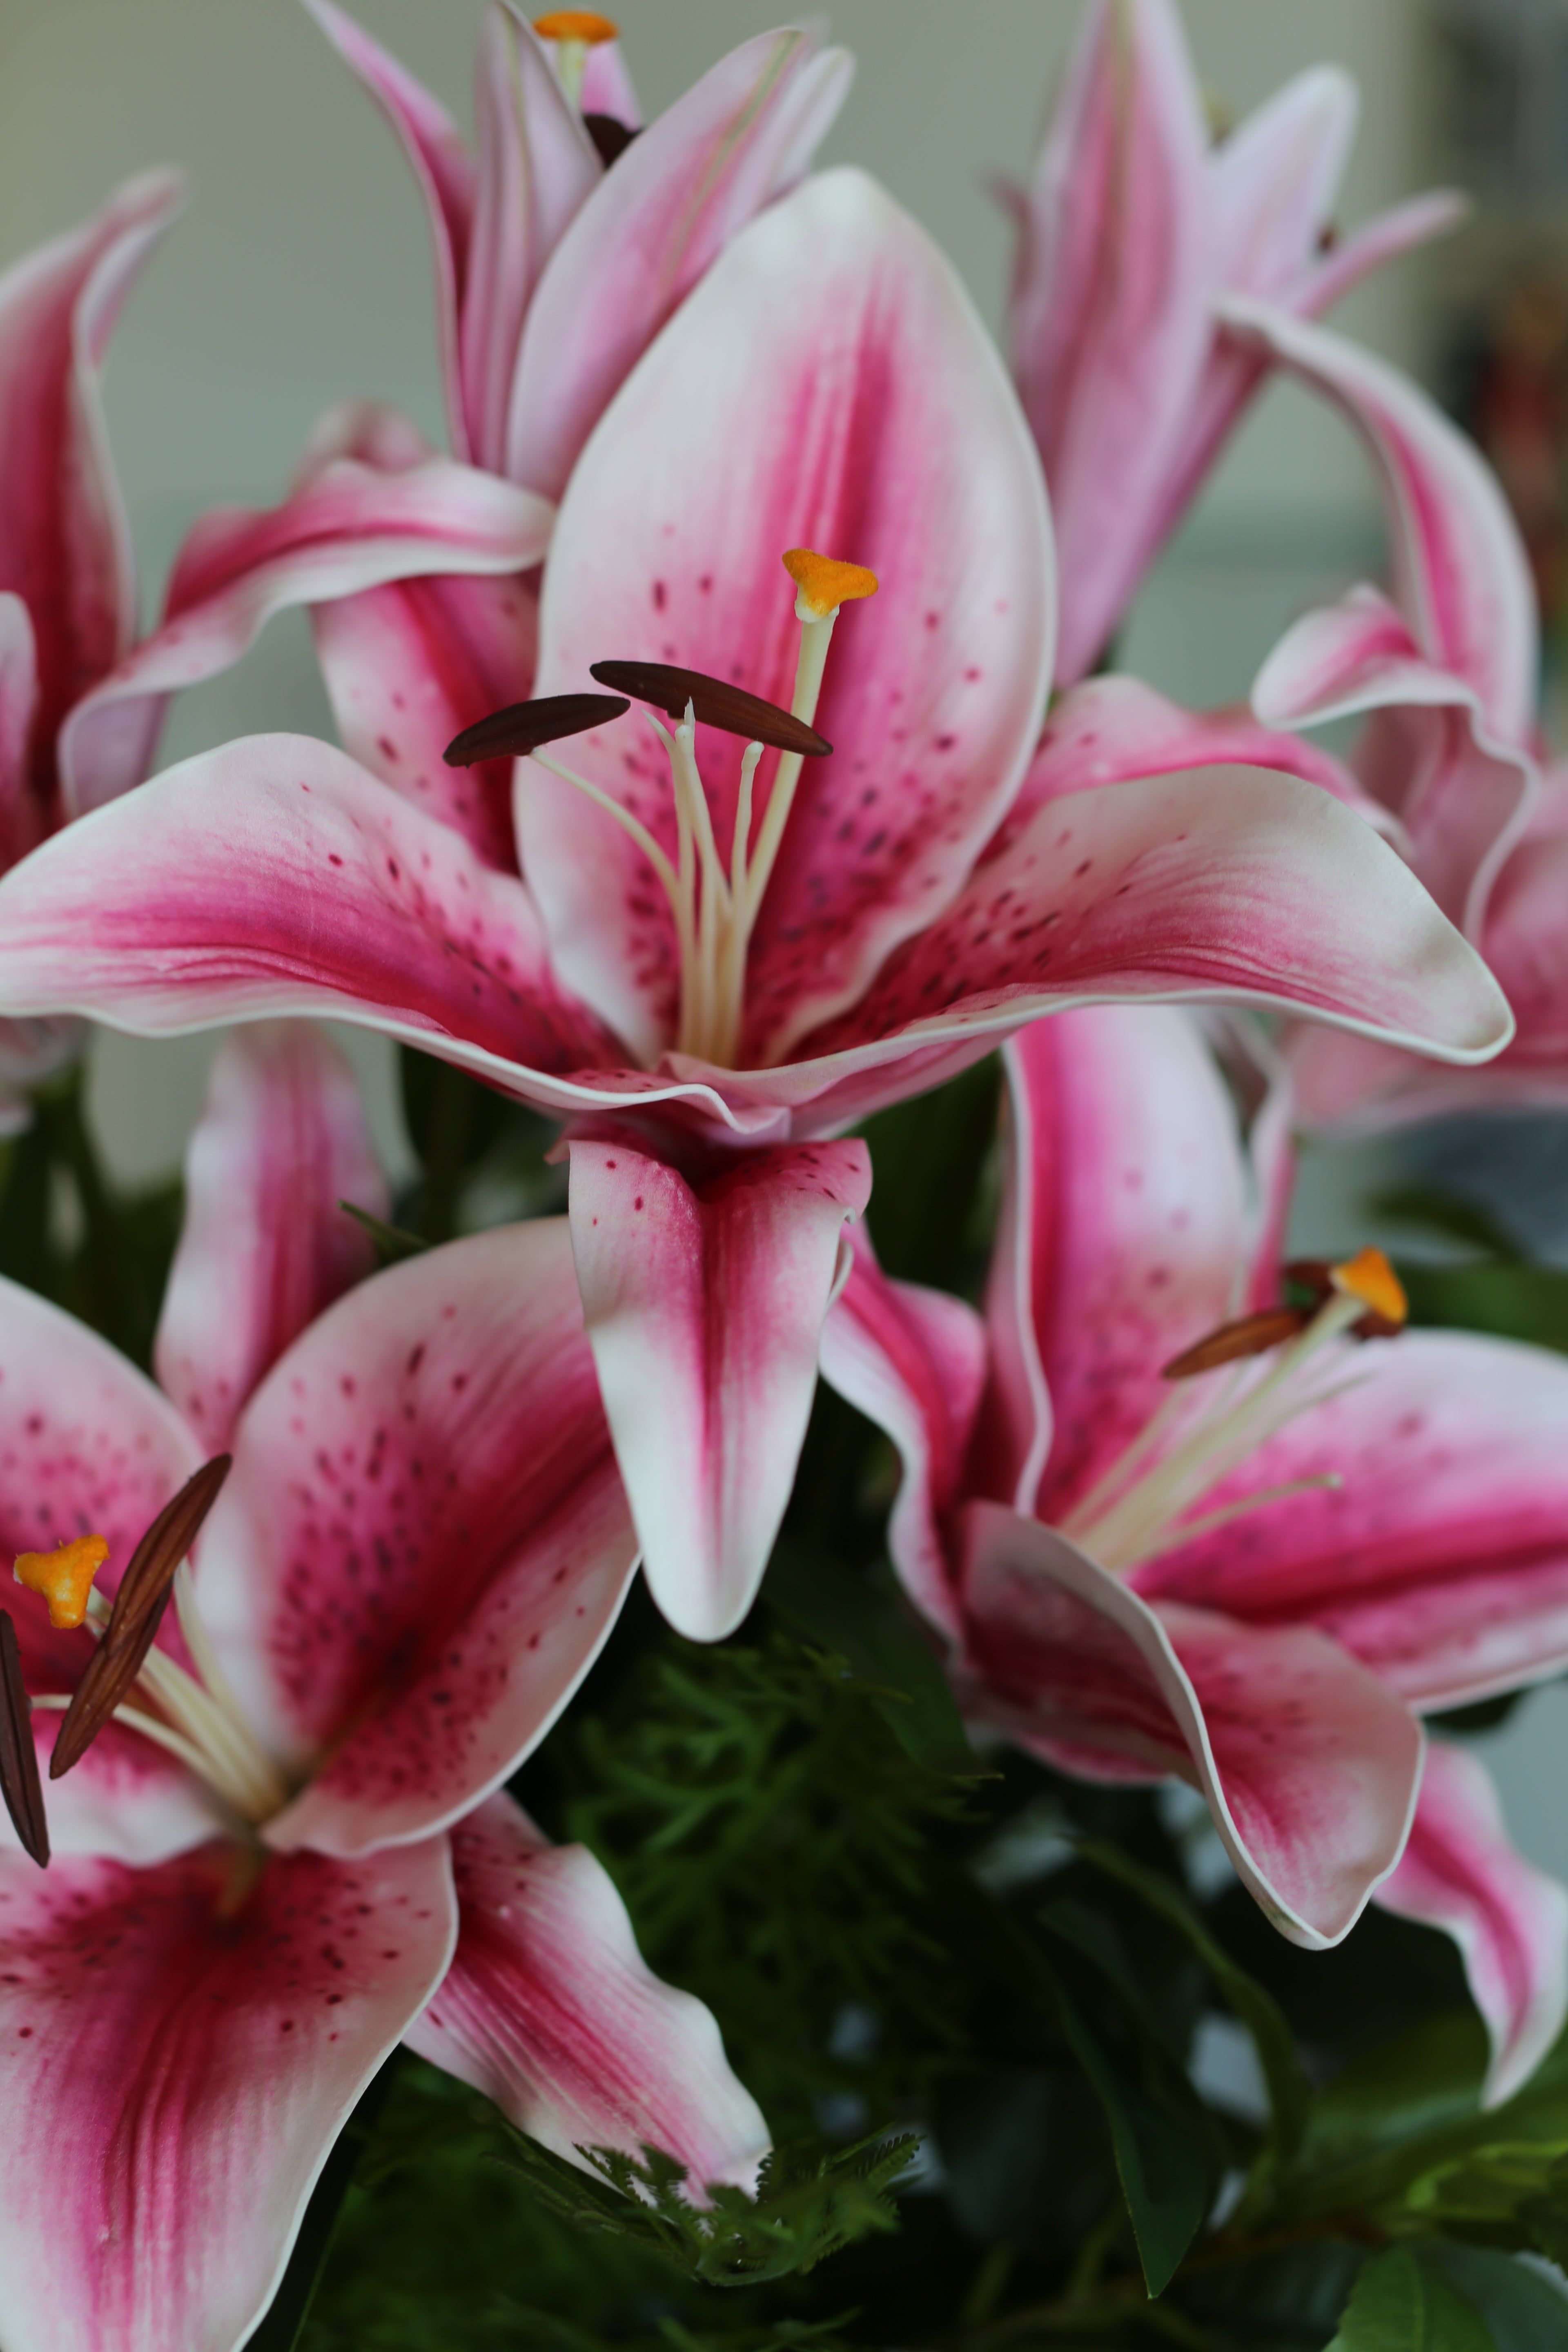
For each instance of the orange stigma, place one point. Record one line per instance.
(824, 584)
(63, 1577)
(1369, 1277)
(576, 24)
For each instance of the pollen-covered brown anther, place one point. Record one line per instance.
(1249, 1335)
(714, 702)
(19, 1782)
(138, 1611)
(522, 727)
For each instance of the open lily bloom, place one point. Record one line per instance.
(1259, 1576)
(750, 948)
(284, 1850)
(1131, 230)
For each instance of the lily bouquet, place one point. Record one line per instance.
(829, 1482)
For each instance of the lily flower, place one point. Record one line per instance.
(1169, 1516)
(1446, 670)
(1134, 228)
(279, 1844)
(731, 953)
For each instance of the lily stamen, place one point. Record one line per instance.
(1134, 1512)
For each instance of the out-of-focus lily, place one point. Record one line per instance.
(1256, 1575)
(283, 1851)
(1446, 670)
(1131, 231)
(753, 947)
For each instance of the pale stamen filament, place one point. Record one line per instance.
(215, 1739)
(1147, 1516)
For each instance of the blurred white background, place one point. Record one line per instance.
(300, 276)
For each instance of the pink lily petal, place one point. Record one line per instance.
(536, 166)
(423, 1541)
(551, 2011)
(1110, 729)
(1460, 1873)
(445, 171)
(1525, 945)
(1460, 574)
(1227, 882)
(65, 548)
(266, 1246)
(272, 876)
(1441, 1557)
(1400, 229)
(349, 527)
(649, 233)
(1111, 319)
(607, 85)
(828, 385)
(1129, 1229)
(1461, 796)
(21, 817)
(705, 1308)
(1309, 1766)
(914, 1361)
(179, 2050)
(408, 666)
(86, 1446)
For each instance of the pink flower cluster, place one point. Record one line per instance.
(674, 354)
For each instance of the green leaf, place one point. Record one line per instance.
(1523, 2312)
(1398, 2304)
(808, 2204)
(1289, 2095)
(1444, 1213)
(1517, 1302)
(865, 1620)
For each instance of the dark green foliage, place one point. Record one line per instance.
(912, 1947)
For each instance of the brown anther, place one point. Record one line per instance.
(522, 727)
(138, 1611)
(1249, 1335)
(715, 703)
(19, 1782)
(609, 134)
(1315, 1277)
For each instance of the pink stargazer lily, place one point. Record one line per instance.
(286, 1850)
(745, 952)
(1446, 670)
(1258, 1578)
(1131, 231)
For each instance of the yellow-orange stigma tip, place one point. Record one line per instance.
(1369, 1277)
(576, 24)
(824, 584)
(63, 1577)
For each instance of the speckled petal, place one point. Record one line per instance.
(179, 2049)
(549, 2010)
(828, 385)
(1462, 1874)
(274, 876)
(349, 526)
(266, 1245)
(1310, 1765)
(423, 1541)
(1441, 1557)
(914, 1361)
(1233, 884)
(705, 1306)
